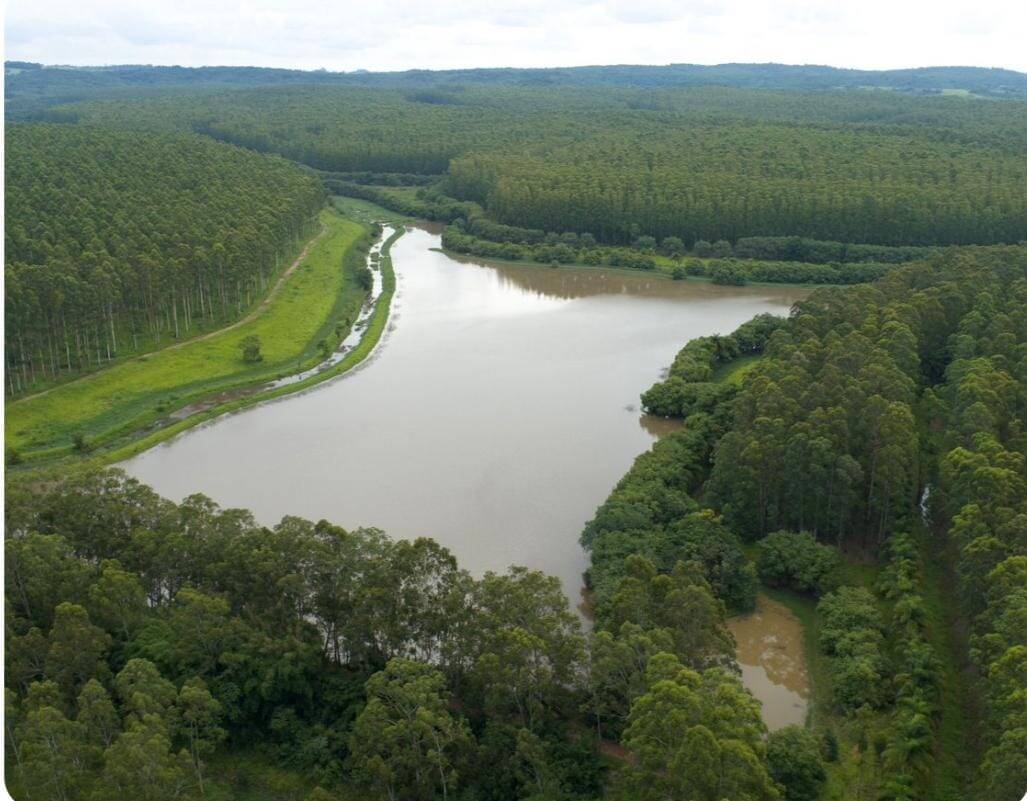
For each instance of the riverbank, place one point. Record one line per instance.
(662, 271)
(368, 342)
(110, 412)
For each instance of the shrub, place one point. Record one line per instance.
(794, 762)
(796, 560)
(851, 633)
(250, 347)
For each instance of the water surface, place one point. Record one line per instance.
(499, 410)
(770, 653)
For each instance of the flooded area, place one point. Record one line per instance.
(499, 410)
(772, 658)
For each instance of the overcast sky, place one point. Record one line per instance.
(441, 34)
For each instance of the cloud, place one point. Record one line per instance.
(405, 34)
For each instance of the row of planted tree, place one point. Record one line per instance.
(118, 242)
(709, 163)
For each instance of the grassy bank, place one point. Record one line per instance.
(372, 335)
(316, 298)
(366, 211)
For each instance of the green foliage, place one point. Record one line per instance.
(114, 237)
(266, 636)
(365, 279)
(694, 736)
(795, 559)
(53, 756)
(680, 605)
(250, 347)
(133, 394)
(980, 501)
(794, 762)
(406, 744)
(852, 634)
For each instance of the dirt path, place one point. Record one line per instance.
(253, 315)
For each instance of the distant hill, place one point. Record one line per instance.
(30, 86)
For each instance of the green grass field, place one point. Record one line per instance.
(365, 210)
(734, 371)
(131, 395)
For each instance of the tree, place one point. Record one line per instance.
(140, 765)
(679, 603)
(406, 744)
(199, 714)
(617, 671)
(117, 599)
(97, 715)
(364, 278)
(145, 694)
(695, 737)
(41, 571)
(76, 649)
(53, 757)
(795, 559)
(525, 646)
(672, 246)
(793, 759)
(250, 347)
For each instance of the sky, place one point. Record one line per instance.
(446, 34)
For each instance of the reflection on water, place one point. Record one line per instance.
(659, 426)
(568, 283)
(771, 655)
(500, 410)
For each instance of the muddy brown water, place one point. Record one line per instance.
(771, 654)
(499, 410)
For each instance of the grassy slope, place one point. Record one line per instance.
(372, 334)
(358, 209)
(134, 393)
(734, 371)
(147, 343)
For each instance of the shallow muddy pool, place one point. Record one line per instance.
(499, 410)
(772, 657)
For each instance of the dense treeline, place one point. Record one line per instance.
(508, 243)
(797, 248)
(30, 88)
(699, 163)
(143, 637)
(114, 239)
(737, 180)
(862, 398)
(689, 386)
(981, 503)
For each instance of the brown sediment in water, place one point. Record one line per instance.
(660, 427)
(771, 654)
(495, 420)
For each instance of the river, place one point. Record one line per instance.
(499, 410)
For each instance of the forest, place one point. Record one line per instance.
(116, 242)
(862, 459)
(704, 163)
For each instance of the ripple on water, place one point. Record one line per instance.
(770, 653)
